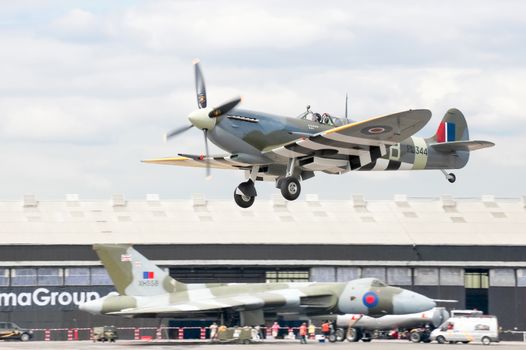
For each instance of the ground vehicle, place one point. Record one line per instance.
(105, 333)
(361, 327)
(10, 330)
(242, 335)
(466, 329)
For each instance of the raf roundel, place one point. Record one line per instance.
(376, 130)
(370, 299)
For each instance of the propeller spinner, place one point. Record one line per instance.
(204, 117)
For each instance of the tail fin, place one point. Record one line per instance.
(453, 127)
(133, 274)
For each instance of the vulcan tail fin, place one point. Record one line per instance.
(133, 274)
(453, 127)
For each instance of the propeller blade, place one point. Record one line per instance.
(208, 175)
(177, 131)
(224, 108)
(200, 89)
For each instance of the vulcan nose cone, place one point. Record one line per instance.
(94, 307)
(409, 302)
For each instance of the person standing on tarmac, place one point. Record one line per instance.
(325, 329)
(312, 330)
(303, 333)
(213, 331)
(275, 330)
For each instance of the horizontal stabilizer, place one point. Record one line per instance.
(454, 146)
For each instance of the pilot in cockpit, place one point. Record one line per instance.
(326, 118)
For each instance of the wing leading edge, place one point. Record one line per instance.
(199, 161)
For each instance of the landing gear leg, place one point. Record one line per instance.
(449, 176)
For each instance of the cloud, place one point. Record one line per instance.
(88, 89)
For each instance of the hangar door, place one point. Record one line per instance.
(476, 282)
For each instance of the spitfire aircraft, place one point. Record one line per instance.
(145, 290)
(286, 150)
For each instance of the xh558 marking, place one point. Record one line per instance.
(286, 150)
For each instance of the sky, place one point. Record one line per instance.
(89, 88)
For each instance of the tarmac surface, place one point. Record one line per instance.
(151, 345)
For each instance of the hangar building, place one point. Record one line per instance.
(469, 249)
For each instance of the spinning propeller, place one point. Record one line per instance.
(204, 117)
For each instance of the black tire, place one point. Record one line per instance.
(441, 339)
(415, 337)
(465, 342)
(354, 335)
(340, 334)
(451, 177)
(25, 337)
(290, 188)
(243, 201)
(332, 337)
(485, 340)
(367, 340)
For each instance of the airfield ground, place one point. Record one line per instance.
(375, 345)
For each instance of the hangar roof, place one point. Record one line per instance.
(402, 220)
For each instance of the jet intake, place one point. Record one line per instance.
(319, 301)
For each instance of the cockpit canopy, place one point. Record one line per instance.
(324, 118)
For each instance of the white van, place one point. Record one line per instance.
(465, 329)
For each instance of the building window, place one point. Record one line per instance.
(374, 272)
(4, 277)
(100, 277)
(322, 274)
(24, 277)
(521, 277)
(451, 276)
(502, 277)
(346, 274)
(476, 279)
(76, 276)
(287, 276)
(49, 276)
(400, 276)
(426, 276)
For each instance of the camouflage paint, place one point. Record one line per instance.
(162, 296)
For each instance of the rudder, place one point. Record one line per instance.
(453, 127)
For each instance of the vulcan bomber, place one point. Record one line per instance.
(145, 290)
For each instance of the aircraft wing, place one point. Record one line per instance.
(197, 161)
(353, 145)
(244, 302)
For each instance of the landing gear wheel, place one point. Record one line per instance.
(290, 188)
(451, 177)
(415, 337)
(243, 201)
(354, 335)
(340, 334)
(441, 339)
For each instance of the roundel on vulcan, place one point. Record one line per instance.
(370, 299)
